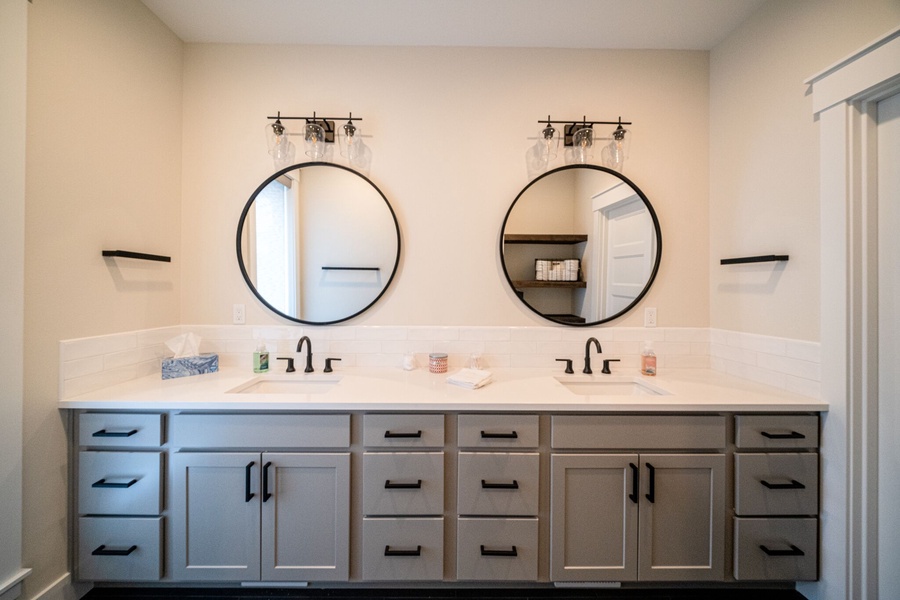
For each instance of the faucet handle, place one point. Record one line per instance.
(568, 362)
(290, 363)
(605, 370)
(328, 368)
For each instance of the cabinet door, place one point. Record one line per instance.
(593, 517)
(305, 517)
(215, 516)
(682, 525)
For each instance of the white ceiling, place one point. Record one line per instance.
(629, 24)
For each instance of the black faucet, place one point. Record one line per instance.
(587, 355)
(309, 353)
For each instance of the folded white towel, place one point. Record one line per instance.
(471, 378)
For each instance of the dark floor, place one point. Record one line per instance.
(437, 594)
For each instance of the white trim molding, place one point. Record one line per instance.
(844, 100)
(11, 588)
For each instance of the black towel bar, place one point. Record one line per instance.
(137, 255)
(754, 259)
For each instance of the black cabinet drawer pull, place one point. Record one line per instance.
(512, 435)
(510, 552)
(416, 552)
(633, 496)
(248, 495)
(265, 490)
(400, 434)
(793, 485)
(651, 491)
(486, 485)
(794, 551)
(390, 485)
(794, 435)
(114, 434)
(103, 483)
(102, 551)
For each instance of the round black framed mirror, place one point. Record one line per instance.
(580, 245)
(318, 243)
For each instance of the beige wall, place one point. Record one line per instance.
(13, 28)
(103, 171)
(450, 128)
(764, 158)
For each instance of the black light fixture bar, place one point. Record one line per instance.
(327, 123)
(572, 125)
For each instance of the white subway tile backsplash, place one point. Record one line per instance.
(92, 363)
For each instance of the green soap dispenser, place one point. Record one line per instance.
(261, 359)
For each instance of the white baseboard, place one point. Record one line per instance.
(64, 589)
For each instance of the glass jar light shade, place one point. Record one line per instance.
(544, 150)
(353, 148)
(276, 135)
(314, 139)
(615, 152)
(582, 149)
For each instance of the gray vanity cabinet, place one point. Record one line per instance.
(637, 516)
(273, 516)
(275, 506)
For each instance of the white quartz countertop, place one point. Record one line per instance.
(386, 389)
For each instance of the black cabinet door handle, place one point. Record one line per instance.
(390, 485)
(416, 552)
(794, 551)
(633, 496)
(400, 434)
(266, 494)
(486, 485)
(512, 435)
(793, 485)
(248, 495)
(102, 550)
(114, 434)
(651, 489)
(794, 435)
(103, 483)
(511, 552)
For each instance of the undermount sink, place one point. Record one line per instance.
(286, 384)
(611, 386)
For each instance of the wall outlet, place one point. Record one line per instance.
(238, 315)
(649, 317)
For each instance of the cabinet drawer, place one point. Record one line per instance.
(403, 549)
(643, 432)
(776, 484)
(120, 430)
(498, 483)
(498, 431)
(119, 483)
(775, 549)
(403, 483)
(497, 549)
(776, 431)
(261, 431)
(403, 431)
(119, 549)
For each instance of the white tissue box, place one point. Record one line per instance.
(189, 365)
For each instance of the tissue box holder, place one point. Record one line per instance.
(189, 365)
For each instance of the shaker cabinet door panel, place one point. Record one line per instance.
(593, 517)
(305, 517)
(682, 534)
(215, 516)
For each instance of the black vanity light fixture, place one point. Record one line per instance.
(318, 133)
(579, 143)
